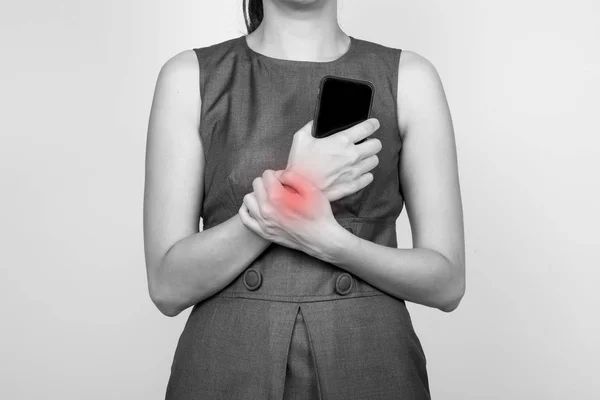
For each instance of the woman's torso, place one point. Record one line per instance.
(251, 107)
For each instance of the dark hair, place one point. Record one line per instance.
(254, 15)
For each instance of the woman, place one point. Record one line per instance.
(297, 285)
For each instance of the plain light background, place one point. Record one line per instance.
(522, 79)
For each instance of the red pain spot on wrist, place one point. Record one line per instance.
(294, 195)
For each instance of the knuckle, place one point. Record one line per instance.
(273, 197)
(343, 139)
(365, 129)
(266, 211)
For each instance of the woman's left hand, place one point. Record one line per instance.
(297, 215)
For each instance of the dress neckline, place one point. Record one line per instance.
(282, 61)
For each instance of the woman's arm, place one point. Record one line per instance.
(185, 266)
(433, 272)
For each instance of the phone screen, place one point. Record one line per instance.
(342, 103)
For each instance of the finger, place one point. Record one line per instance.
(248, 220)
(345, 189)
(259, 190)
(272, 185)
(297, 182)
(369, 147)
(252, 205)
(363, 181)
(288, 189)
(361, 130)
(367, 164)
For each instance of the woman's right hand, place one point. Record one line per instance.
(335, 164)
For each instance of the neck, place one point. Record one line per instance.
(308, 32)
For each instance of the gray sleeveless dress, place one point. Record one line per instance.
(292, 326)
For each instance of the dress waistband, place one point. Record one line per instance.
(284, 274)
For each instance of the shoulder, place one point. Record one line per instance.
(419, 84)
(177, 87)
(190, 60)
(413, 65)
(180, 65)
(182, 73)
(178, 75)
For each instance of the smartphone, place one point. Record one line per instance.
(341, 104)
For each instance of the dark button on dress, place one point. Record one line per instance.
(293, 326)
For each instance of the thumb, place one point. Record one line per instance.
(298, 182)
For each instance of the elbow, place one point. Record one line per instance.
(163, 301)
(453, 295)
(161, 293)
(166, 307)
(450, 305)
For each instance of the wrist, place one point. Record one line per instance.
(334, 240)
(306, 173)
(252, 235)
